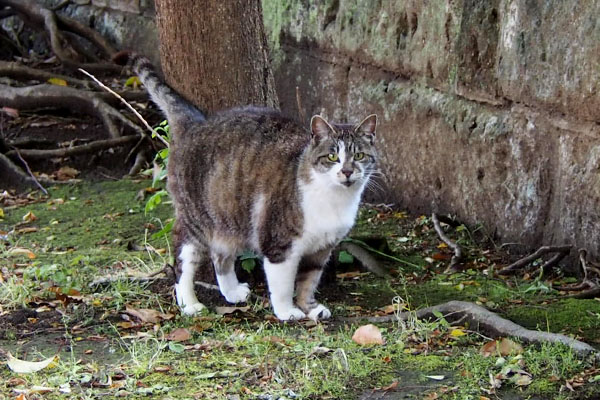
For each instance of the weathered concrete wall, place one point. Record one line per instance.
(490, 110)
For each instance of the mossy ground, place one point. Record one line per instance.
(92, 230)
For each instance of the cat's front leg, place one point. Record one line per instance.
(281, 277)
(309, 274)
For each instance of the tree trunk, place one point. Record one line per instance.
(215, 53)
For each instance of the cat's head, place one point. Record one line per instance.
(343, 154)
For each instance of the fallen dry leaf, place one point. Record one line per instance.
(11, 112)
(27, 367)
(29, 217)
(391, 386)
(502, 347)
(436, 377)
(457, 332)
(147, 315)
(57, 81)
(28, 229)
(15, 382)
(367, 334)
(507, 347)
(523, 380)
(66, 173)
(36, 389)
(179, 335)
(20, 251)
(230, 310)
(351, 274)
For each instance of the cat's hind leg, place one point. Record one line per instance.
(233, 290)
(188, 258)
(309, 274)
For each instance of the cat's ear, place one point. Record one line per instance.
(367, 126)
(319, 128)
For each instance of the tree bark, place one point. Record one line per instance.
(215, 52)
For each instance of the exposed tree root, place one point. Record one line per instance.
(35, 180)
(14, 176)
(562, 252)
(457, 257)
(37, 15)
(365, 258)
(141, 158)
(590, 286)
(40, 96)
(487, 322)
(18, 71)
(75, 150)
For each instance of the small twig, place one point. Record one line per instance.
(137, 114)
(512, 268)
(299, 103)
(30, 173)
(457, 257)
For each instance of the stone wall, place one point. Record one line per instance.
(489, 110)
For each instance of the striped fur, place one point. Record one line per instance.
(252, 179)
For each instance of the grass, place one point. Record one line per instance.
(100, 229)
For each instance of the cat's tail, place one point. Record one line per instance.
(176, 108)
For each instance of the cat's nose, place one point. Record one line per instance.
(347, 172)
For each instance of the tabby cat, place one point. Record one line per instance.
(251, 179)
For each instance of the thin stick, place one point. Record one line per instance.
(457, 257)
(133, 110)
(30, 173)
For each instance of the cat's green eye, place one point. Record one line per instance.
(333, 157)
(359, 156)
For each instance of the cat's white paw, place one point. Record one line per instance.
(193, 309)
(290, 314)
(319, 312)
(238, 294)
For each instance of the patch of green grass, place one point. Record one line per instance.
(247, 355)
(79, 233)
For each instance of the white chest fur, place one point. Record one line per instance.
(329, 213)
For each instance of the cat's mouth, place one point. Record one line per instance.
(347, 183)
